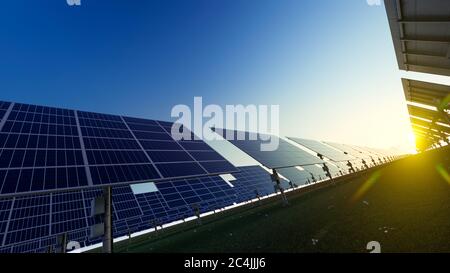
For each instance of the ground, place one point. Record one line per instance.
(405, 206)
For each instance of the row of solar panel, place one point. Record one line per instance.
(120, 149)
(30, 224)
(117, 150)
(288, 155)
(137, 212)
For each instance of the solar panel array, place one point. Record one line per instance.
(286, 154)
(323, 149)
(31, 224)
(44, 149)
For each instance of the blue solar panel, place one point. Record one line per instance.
(368, 152)
(342, 167)
(285, 155)
(125, 204)
(3, 109)
(323, 149)
(296, 176)
(5, 209)
(29, 219)
(44, 149)
(70, 211)
(348, 150)
(335, 170)
(252, 182)
(317, 173)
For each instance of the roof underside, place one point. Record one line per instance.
(427, 124)
(421, 34)
(426, 113)
(431, 94)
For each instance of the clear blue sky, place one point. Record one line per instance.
(330, 65)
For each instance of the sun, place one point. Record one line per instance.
(412, 142)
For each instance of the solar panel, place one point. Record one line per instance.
(334, 169)
(342, 166)
(4, 106)
(36, 221)
(252, 181)
(323, 149)
(348, 150)
(366, 152)
(296, 176)
(45, 149)
(316, 171)
(286, 155)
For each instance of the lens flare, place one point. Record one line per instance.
(366, 186)
(444, 103)
(441, 170)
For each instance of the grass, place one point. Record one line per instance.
(404, 205)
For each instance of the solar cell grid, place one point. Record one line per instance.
(174, 201)
(252, 181)
(56, 149)
(39, 146)
(180, 158)
(5, 207)
(323, 149)
(316, 171)
(3, 109)
(125, 204)
(29, 219)
(4, 105)
(342, 166)
(295, 175)
(367, 153)
(68, 212)
(334, 170)
(285, 155)
(348, 150)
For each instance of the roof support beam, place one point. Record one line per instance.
(424, 21)
(424, 40)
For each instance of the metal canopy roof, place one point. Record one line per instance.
(432, 94)
(423, 123)
(433, 139)
(427, 114)
(431, 133)
(421, 34)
